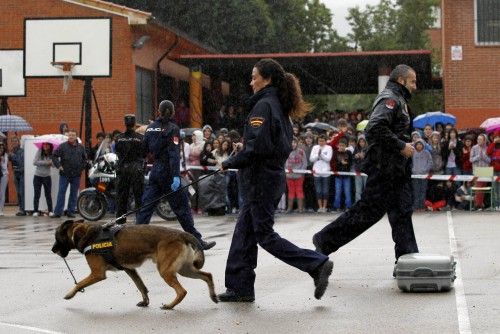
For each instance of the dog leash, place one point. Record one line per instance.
(114, 221)
(71, 272)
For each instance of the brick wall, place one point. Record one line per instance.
(45, 105)
(471, 85)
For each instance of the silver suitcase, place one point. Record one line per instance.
(418, 272)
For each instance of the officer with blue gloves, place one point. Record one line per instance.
(162, 140)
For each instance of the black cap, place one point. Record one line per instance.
(129, 120)
(166, 109)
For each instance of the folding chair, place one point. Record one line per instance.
(483, 172)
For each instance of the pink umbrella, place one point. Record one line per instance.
(491, 124)
(55, 142)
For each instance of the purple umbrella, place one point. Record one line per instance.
(491, 124)
(55, 142)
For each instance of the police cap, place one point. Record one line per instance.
(129, 120)
(166, 108)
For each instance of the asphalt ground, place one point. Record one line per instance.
(362, 296)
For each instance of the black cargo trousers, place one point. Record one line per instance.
(130, 177)
(383, 194)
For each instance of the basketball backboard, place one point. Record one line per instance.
(12, 82)
(86, 42)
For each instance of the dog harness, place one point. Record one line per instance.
(103, 245)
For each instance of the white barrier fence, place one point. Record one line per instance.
(428, 176)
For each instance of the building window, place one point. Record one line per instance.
(144, 94)
(487, 22)
(436, 15)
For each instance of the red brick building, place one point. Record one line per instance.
(142, 69)
(471, 59)
(137, 70)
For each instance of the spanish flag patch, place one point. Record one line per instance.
(256, 122)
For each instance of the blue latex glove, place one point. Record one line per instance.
(176, 183)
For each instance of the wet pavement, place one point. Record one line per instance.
(362, 296)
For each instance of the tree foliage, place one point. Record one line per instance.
(391, 25)
(238, 26)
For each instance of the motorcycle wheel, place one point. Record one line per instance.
(164, 210)
(91, 205)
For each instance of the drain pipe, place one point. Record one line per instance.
(157, 71)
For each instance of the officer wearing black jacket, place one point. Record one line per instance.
(130, 150)
(388, 165)
(162, 140)
(267, 144)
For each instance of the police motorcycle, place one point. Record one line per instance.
(93, 202)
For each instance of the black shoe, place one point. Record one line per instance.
(320, 277)
(55, 216)
(318, 246)
(231, 296)
(207, 245)
(21, 213)
(70, 215)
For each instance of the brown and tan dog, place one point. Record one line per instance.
(173, 252)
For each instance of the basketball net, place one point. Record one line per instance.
(66, 67)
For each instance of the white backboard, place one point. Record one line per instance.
(12, 81)
(84, 41)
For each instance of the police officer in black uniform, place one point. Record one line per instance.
(162, 140)
(266, 146)
(388, 165)
(130, 150)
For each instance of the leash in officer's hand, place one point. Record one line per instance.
(122, 217)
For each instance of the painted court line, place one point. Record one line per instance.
(29, 328)
(462, 310)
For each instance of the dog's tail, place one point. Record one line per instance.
(199, 256)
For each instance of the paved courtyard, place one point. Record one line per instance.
(362, 296)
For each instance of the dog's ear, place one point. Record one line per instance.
(84, 234)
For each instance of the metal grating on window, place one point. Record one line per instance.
(488, 22)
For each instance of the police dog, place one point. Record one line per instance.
(173, 252)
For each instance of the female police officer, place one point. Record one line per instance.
(266, 146)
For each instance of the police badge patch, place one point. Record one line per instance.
(256, 122)
(390, 103)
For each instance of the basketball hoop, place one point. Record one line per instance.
(66, 67)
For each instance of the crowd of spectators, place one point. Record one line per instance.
(438, 150)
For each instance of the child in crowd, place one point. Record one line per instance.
(343, 162)
(452, 153)
(466, 149)
(480, 158)
(422, 164)
(321, 155)
(295, 181)
(359, 155)
(463, 196)
(43, 162)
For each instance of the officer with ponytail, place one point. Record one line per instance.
(267, 144)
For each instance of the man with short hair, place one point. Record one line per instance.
(17, 159)
(70, 159)
(162, 140)
(388, 165)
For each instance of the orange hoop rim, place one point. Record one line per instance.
(67, 66)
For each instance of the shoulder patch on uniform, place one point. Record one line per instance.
(390, 103)
(256, 122)
(175, 139)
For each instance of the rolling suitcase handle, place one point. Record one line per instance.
(423, 272)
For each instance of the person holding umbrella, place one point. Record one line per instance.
(43, 163)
